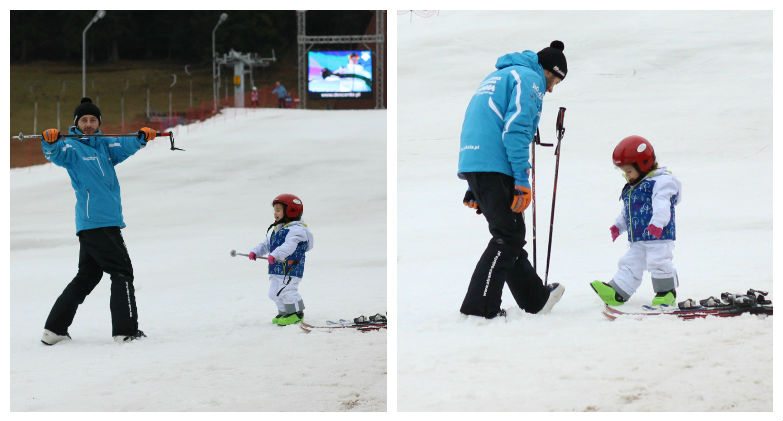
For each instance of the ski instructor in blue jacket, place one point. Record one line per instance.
(499, 125)
(90, 162)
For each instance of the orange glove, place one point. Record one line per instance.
(51, 135)
(522, 197)
(147, 133)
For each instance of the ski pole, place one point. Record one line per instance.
(536, 141)
(261, 259)
(560, 133)
(234, 253)
(22, 137)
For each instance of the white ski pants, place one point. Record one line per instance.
(654, 256)
(284, 291)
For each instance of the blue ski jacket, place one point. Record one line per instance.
(501, 118)
(90, 163)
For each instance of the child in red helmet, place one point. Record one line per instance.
(648, 197)
(285, 249)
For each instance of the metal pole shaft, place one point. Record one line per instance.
(535, 259)
(560, 132)
(552, 216)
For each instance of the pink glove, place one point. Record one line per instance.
(655, 231)
(251, 256)
(270, 259)
(615, 232)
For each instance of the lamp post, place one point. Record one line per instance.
(98, 16)
(190, 84)
(171, 112)
(223, 17)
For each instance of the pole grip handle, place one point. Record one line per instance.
(559, 125)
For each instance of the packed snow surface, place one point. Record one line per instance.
(211, 344)
(698, 85)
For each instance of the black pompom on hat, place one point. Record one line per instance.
(86, 108)
(553, 59)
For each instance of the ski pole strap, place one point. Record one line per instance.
(537, 139)
(171, 139)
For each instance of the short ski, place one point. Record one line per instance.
(329, 327)
(361, 323)
(728, 305)
(613, 313)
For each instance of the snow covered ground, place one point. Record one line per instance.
(698, 85)
(211, 344)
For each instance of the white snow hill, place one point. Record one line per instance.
(699, 86)
(211, 344)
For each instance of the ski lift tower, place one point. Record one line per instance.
(243, 65)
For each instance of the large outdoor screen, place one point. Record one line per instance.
(339, 74)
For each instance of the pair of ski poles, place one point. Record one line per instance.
(23, 137)
(537, 141)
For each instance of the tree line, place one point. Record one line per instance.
(170, 35)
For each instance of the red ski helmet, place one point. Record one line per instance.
(636, 151)
(291, 204)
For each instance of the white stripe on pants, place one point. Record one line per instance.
(284, 291)
(654, 256)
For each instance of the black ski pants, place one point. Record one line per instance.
(504, 260)
(101, 250)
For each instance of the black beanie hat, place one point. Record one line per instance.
(553, 59)
(86, 108)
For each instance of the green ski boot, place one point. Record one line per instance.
(667, 298)
(607, 294)
(288, 320)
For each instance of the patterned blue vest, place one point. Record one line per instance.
(637, 201)
(294, 264)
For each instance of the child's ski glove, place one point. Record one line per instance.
(270, 259)
(655, 231)
(251, 256)
(615, 232)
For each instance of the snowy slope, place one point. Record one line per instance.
(698, 85)
(211, 342)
